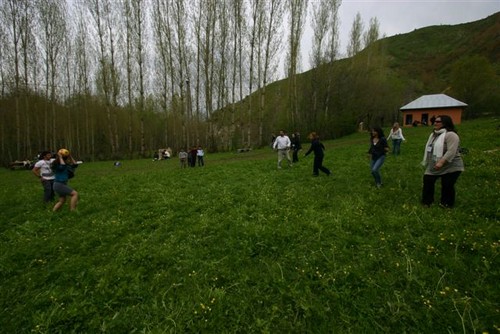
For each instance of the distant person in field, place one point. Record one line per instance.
(43, 171)
(377, 152)
(296, 146)
(282, 144)
(63, 167)
(317, 147)
(183, 157)
(442, 159)
(396, 134)
(192, 156)
(200, 154)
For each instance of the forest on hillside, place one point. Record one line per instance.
(121, 79)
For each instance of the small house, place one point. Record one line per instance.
(423, 110)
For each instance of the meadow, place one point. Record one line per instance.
(241, 247)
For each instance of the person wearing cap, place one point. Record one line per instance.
(43, 171)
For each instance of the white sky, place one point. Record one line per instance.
(402, 16)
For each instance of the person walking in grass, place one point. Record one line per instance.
(63, 167)
(43, 171)
(377, 152)
(396, 134)
(442, 159)
(282, 144)
(317, 147)
(296, 146)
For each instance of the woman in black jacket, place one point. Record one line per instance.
(377, 151)
(317, 147)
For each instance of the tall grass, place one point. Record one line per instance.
(239, 246)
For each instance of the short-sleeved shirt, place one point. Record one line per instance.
(45, 169)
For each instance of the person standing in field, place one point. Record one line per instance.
(183, 156)
(43, 171)
(317, 147)
(442, 159)
(282, 144)
(200, 154)
(377, 151)
(192, 156)
(397, 137)
(63, 167)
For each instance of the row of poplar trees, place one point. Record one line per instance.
(114, 79)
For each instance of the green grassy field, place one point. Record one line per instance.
(239, 246)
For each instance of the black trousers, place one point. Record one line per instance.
(318, 166)
(447, 189)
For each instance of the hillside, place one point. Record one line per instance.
(461, 60)
(428, 54)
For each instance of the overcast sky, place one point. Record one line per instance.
(403, 16)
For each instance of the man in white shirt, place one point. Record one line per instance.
(283, 144)
(43, 171)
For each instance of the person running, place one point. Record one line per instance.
(317, 147)
(282, 144)
(377, 151)
(296, 146)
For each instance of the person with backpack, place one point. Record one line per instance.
(63, 167)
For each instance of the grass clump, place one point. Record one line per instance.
(239, 246)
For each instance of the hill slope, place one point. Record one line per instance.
(460, 60)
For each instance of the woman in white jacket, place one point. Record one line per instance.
(397, 137)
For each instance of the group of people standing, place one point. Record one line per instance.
(54, 173)
(442, 158)
(189, 158)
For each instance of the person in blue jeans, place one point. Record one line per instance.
(397, 137)
(377, 151)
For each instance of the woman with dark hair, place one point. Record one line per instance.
(317, 147)
(378, 149)
(442, 159)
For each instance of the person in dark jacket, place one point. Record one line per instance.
(317, 147)
(377, 151)
(296, 146)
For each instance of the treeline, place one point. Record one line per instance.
(121, 78)
(116, 79)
